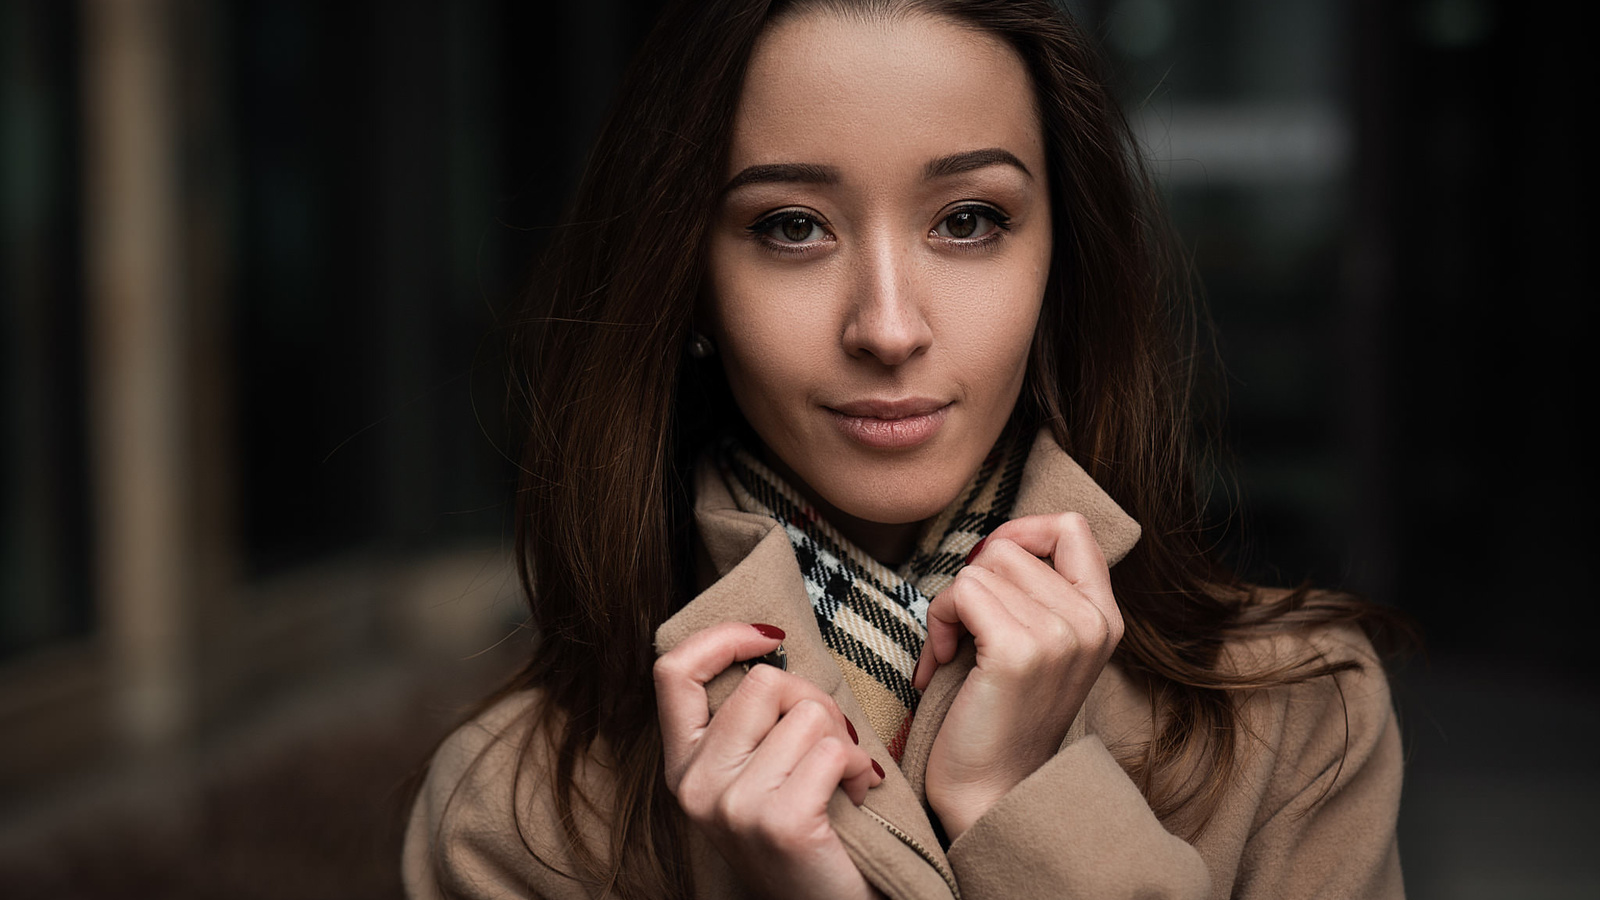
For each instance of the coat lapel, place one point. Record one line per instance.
(1053, 482)
(756, 579)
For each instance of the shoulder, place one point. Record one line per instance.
(484, 822)
(1314, 795)
(1285, 652)
(482, 751)
(1332, 724)
(1324, 671)
(1307, 797)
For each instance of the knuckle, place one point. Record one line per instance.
(764, 678)
(831, 750)
(1084, 620)
(731, 811)
(811, 715)
(667, 668)
(969, 583)
(1093, 627)
(693, 797)
(1115, 626)
(768, 676)
(1073, 521)
(1060, 635)
(942, 608)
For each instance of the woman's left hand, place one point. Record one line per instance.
(1037, 600)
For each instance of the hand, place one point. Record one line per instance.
(757, 777)
(1043, 630)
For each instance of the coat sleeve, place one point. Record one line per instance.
(1077, 827)
(464, 840)
(1310, 812)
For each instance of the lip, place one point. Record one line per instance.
(884, 424)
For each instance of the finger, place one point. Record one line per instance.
(944, 636)
(1068, 542)
(1075, 554)
(1030, 587)
(857, 785)
(1058, 617)
(927, 663)
(825, 766)
(803, 727)
(762, 699)
(969, 604)
(681, 675)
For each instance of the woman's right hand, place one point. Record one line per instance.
(757, 777)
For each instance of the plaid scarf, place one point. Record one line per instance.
(875, 619)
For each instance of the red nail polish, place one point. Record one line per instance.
(769, 631)
(879, 769)
(852, 729)
(974, 551)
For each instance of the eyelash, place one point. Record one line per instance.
(1002, 225)
(764, 227)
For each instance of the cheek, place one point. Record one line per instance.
(1020, 320)
(761, 365)
(991, 332)
(766, 331)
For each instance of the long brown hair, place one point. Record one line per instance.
(616, 416)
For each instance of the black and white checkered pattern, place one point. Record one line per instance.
(873, 616)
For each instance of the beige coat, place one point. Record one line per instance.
(1310, 812)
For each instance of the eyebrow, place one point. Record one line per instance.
(810, 173)
(783, 173)
(956, 163)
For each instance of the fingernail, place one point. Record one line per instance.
(879, 769)
(974, 551)
(769, 631)
(852, 729)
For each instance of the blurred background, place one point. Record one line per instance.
(254, 502)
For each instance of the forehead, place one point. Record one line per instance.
(849, 90)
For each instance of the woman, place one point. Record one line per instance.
(855, 362)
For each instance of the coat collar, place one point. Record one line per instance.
(758, 580)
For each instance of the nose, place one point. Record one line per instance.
(886, 320)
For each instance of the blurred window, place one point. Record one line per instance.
(44, 540)
(361, 324)
(1240, 108)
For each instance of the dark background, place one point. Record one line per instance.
(1383, 201)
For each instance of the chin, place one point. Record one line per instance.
(892, 498)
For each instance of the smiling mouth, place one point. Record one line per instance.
(890, 424)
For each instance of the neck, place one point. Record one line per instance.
(889, 544)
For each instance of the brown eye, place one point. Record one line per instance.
(962, 224)
(796, 228)
(792, 231)
(971, 224)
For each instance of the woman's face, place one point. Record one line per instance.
(879, 256)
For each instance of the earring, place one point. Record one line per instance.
(700, 346)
